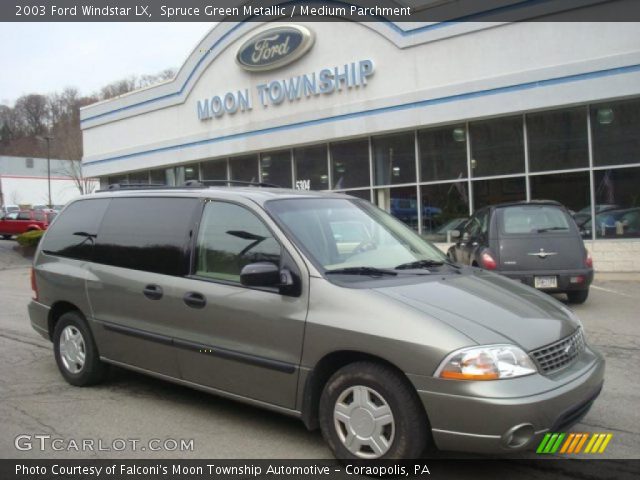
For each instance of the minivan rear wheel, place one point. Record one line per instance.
(75, 351)
(369, 411)
(578, 296)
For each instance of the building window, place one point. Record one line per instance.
(158, 177)
(214, 170)
(443, 203)
(490, 192)
(570, 189)
(311, 168)
(275, 168)
(615, 128)
(443, 153)
(497, 147)
(394, 159)
(557, 140)
(117, 180)
(363, 194)
(141, 177)
(28, 162)
(244, 168)
(401, 202)
(192, 172)
(350, 164)
(617, 203)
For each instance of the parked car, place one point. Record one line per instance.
(620, 223)
(10, 209)
(584, 215)
(317, 305)
(16, 223)
(533, 242)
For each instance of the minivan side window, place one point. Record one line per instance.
(229, 238)
(149, 234)
(72, 234)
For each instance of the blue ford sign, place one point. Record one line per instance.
(274, 48)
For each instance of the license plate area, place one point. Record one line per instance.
(545, 282)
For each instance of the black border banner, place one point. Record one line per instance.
(318, 10)
(476, 469)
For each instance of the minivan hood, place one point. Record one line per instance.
(488, 308)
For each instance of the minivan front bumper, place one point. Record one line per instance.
(565, 277)
(496, 423)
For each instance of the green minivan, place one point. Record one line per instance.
(316, 305)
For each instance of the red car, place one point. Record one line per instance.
(15, 223)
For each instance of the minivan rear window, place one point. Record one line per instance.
(524, 219)
(72, 234)
(149, 234)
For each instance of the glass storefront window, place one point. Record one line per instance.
(214, 170)
(394, 159)
(244, 168)
(557, 140)
(350, 164)
(491, 192)
(276, 168)
(617, 203)
(311, 167)
(443, 153)
(615, 128)
(441, 205)
(401, 202)
(140, 178)
(158, 176)
(497, 147)
(570, 189)
(117, 179)
(192, 172)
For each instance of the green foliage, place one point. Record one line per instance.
(30, 239)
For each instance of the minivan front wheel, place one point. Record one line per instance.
(75, 351)
(369, 411)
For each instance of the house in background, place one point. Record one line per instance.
(25, 181)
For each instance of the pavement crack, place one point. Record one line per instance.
(37, 420)
(593, 425)
(27, 342)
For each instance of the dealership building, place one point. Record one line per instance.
(428, 121)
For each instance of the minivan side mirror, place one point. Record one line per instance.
(260, 274)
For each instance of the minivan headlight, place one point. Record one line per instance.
(491, 362)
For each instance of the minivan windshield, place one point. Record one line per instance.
(353, 234)
(524, 219)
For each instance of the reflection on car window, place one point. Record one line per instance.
(342, 233)
(533, 219)
(231, 237)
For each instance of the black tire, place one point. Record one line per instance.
(93, 370)
(410, 423)
(6, 237)
(578, 296)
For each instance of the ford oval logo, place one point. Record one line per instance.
(274, 48)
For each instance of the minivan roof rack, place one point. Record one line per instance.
(242, 183)
(187, 184)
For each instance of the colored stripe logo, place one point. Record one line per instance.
(574, 443)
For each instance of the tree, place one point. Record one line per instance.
(33, 112)
(73, 169)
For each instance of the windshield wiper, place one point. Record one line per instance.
(548, 229)
(371, 271)
(419, 264)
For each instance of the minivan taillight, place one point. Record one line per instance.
(588, 261)
(488, 261)
(34, 285)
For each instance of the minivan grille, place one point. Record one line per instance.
(559, 354)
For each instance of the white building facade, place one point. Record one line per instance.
(429, 121)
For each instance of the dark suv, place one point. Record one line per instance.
(534, 242)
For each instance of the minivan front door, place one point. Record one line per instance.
(245, 341)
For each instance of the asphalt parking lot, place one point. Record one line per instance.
(35, 400)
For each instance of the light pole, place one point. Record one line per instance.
(48, 138)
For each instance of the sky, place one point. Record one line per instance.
(47, 57)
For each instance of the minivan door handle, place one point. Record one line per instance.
(153, 292)
(194, 299)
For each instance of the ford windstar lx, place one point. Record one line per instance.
(316, 305)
